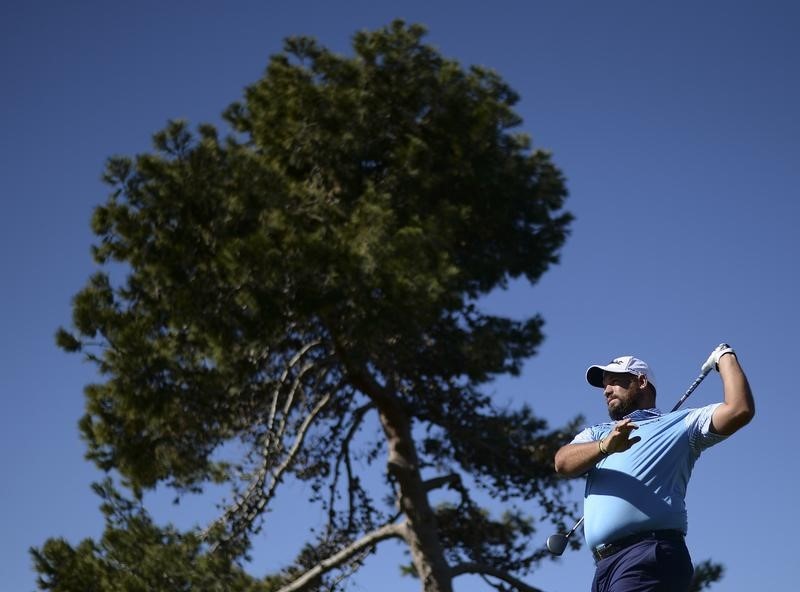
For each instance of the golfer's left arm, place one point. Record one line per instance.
(738, 407)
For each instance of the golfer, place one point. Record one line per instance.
(638, 467)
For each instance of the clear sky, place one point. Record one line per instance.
(676, 124)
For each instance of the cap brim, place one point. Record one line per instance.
(594, 376)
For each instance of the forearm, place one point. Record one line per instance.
(738, 406)
(574, 460)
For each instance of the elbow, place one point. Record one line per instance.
(560, 464)
(740, 420)
(736, 420)
(747, 415)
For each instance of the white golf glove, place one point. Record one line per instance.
(713, 360)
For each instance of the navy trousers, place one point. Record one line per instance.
(647, 566)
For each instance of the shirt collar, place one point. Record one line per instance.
(643, 414)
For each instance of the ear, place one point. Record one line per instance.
(643, 384)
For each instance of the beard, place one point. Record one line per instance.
(622, 409)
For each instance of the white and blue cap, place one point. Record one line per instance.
(621, 365)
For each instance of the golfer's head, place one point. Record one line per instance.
(628, 384)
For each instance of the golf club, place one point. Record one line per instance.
(557, 543)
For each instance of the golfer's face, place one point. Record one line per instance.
(622, 394)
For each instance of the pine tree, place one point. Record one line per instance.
(317, 270)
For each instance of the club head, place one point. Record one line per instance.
(556, 543)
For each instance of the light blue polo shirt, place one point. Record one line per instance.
(644, 487)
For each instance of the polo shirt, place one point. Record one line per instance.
(644, 488)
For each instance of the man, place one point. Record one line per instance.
(638, 468)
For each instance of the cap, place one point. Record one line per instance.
(622, 364)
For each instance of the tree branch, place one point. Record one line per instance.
(309, 578)
(244, 511)
(344, 453)
(453, 479)
(284, 376)
(483, 569)
(363, 381)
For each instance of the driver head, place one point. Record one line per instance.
(556, 543)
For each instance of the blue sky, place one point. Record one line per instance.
(675, 124)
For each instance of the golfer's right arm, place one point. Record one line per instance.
(573, 460)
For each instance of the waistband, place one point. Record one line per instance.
(608, 549)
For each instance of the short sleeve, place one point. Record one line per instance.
(587, 435)
(698, 426)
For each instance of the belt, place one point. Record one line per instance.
(608, 549)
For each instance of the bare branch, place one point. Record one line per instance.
(276, 392)
(298, 442)
(453, 480)
(351, 498)
(357, 419)
(251, 503)
(309, 578)
(488, 570)
(255, 490)
(274, 437)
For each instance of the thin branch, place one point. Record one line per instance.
(309, 578)
(298, 442)
(351, 502)
(354, 565)
(277, 475)
(273, 438)
(453, 480)
(344, 453)
(295, 359)
(255, 498)
(488, 570)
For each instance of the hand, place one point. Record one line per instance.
(619, 440)
(712, 363)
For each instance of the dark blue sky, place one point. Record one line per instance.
(676, 126)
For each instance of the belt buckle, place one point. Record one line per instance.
(604, 550)
(608, 549)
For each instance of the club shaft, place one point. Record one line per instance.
(574, 528)
(690, 390)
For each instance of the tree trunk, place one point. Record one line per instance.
(422, 535)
